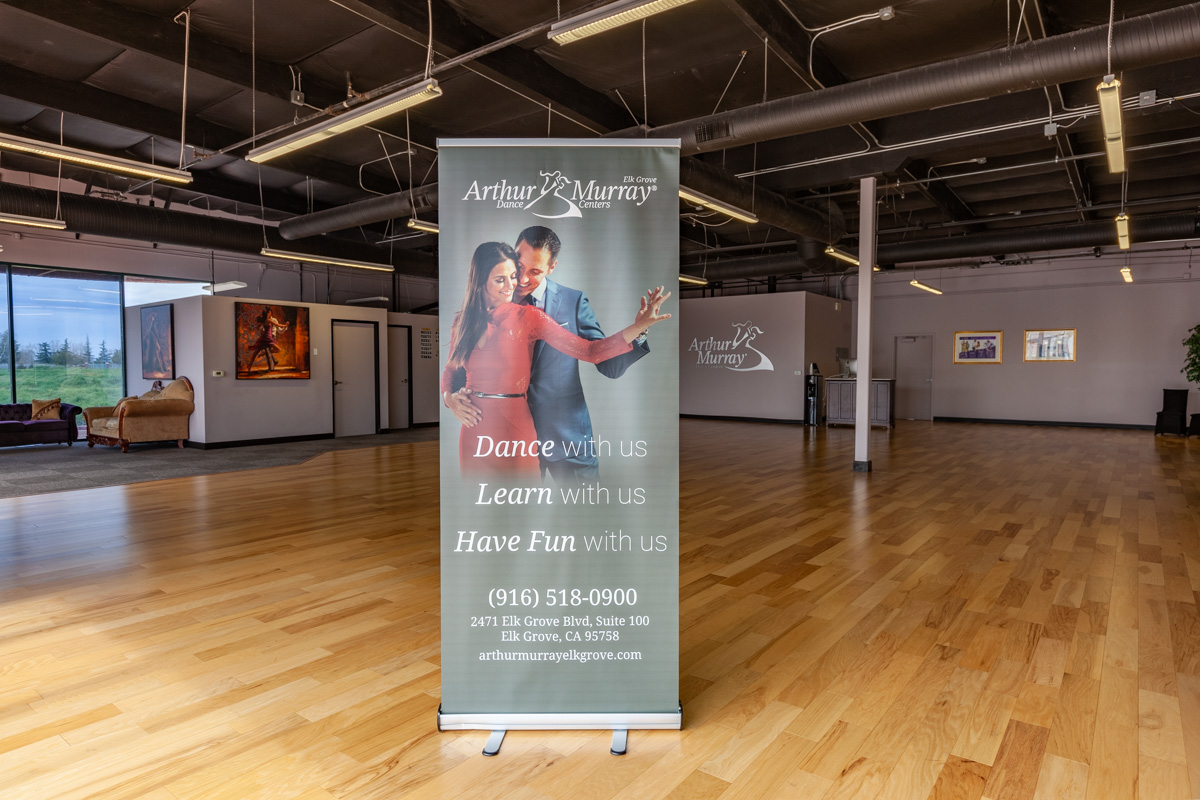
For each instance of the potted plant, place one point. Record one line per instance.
(1191, 364)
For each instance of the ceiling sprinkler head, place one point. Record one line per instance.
(887, 12)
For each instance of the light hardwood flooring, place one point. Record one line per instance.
(1000, 612)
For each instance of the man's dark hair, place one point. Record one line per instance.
(539, 237)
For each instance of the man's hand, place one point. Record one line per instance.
(461, 405)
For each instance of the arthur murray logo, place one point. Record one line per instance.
(733, 354)
(560, 196)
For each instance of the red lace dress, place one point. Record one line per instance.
(501, 366)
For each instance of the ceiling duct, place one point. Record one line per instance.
(771, 208)
(1142, 41)
(120, 220)
(364, 212)
(808, 258)
(1100, 233)
(1020, 240)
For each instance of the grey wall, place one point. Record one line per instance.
(826, 328)
(785, 320)
(424, 360)
(1128, 336)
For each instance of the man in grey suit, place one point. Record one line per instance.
(555, 395)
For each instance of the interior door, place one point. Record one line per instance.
(355, 378)
(914, 377)
(399, 376)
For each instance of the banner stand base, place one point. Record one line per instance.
(500, 724)
(493, 743)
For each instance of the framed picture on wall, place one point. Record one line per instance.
(272, 341)
(158, 342)
(978, 347)
(1050, 345)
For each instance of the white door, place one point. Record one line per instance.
(914, 377)
(355, 396)
(399, 376)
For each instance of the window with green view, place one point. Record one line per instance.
(6, 348)
(67, 332)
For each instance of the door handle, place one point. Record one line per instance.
(337, 383)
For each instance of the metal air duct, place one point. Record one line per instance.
(1021, 240)
(364, 212)
(131, 221)
(1156, 38)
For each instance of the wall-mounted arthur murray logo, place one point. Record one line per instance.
(736, 354)
(560, 196)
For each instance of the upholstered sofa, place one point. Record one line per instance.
(17, 428)
(154, 417)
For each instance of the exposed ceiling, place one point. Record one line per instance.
(807, 111)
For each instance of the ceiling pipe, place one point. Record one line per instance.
(824, 223)
(993, 243)
(120, 220)
(1141, 41)
(771, 208)
(364, 212)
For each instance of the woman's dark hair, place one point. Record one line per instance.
(472, 319)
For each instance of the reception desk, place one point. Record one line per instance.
(841, 400)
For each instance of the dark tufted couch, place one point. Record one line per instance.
(17, 428)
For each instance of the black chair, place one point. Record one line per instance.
(1173, 417)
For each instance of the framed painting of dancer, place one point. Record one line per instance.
(272, 341)
(158, 342)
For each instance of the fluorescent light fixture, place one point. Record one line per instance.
(701, 199)
(919, 285)
(223, 287)
(332, 260)
(355, 118)
(840, 256)
(358, 301)
(1109, 93)
(692, 279)
(88, 159)
(607, 17)
(33, 222)
(422, 225)
(1127, 274)
(1123, 231)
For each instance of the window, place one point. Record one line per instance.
(67, 330)
(6, 348)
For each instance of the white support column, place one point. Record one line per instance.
(867, 212)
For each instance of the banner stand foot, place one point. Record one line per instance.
(619, 742)
(493, 743)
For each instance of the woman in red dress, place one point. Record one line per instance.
(493, 339)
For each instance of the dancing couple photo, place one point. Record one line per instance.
(512, 375)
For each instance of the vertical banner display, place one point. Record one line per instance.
(560, 500)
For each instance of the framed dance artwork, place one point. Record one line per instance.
(979, 347)
(158, 342)
(272, 341)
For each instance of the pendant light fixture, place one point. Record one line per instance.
(713, 204)
(607, 17)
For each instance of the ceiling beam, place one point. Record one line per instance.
(113, 109)
(164, 39)
(514, 67)
(1077, 178)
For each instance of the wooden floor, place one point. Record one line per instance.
(1001, 612)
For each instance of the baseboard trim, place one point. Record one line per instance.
(743, 419)
(1043, 423)
(251, 442)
